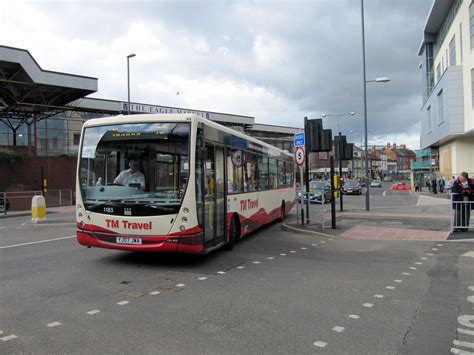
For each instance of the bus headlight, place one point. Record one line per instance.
(186, 210)
(184, 220)
(182, 228)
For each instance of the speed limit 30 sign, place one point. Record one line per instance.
(299, 155)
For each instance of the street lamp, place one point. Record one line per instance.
(365, 81)
(362, 136)
(128, 78)
(338, 116)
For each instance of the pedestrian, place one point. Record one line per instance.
(434, 187)
(99, 182)
(442, 182)
(428, 185)
(463, 201)
(417, 185)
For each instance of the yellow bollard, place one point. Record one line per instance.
(38, 209)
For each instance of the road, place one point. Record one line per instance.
(276, 292)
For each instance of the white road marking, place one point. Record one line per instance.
(465, 331)
(331, 238)
(469, 254)
(202, 278)
(406, 273)
(270, 258)
(122, 303)
(470, 299)
(303, 248)
(461, 352)
(257, 262)
(439, 245)
(398, 281)
(9, 337)
(154, 293)
(338, 329)
(434, 249)
(221, 272)
(384, 193)
(314, 245)
(424, 258)
(323, 241)
(390, 287)
(180, 285)
(320, 344)
(430, 254)
(464, 344)
(54, 324)
(354, 316)
(240, 267)
(378, 296)
(292, 251)
(94, 311)
(3, 227)
(471, 288)
(418, 263)
(467, 321)
(283, 254)
(412, 268)
(37, 242)
(368, 305)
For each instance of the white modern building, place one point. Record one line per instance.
(447, 125)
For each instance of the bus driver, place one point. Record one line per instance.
(131, 176)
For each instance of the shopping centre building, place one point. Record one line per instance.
(43, 111)
(447, 125)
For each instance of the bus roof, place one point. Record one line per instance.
(172, 117)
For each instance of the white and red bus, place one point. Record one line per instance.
(187, 184)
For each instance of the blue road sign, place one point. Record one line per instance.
(299, 139)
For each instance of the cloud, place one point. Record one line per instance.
(278, 61)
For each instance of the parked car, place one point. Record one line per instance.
(352, 187)
(317, 189)
(375, 183)
(401, 186)
(4, 204)
(387, 178)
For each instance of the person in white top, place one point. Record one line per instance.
(131, 176)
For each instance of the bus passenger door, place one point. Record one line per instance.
(213, 196)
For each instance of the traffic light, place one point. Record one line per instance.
(326, 140)
(344, 150)
(313, 130)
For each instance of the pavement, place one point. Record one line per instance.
(394, 215)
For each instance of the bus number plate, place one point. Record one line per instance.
(127, 240)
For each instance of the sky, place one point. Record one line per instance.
(277, 61)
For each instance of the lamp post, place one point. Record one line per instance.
(365, 81)
(340, 152)
(128, 80)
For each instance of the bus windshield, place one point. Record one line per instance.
(137, 169)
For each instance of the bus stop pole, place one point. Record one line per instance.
(302, 196)
(306, 163)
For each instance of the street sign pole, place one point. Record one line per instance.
(306, 133)
(341, 208)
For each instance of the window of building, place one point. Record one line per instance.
(447, 58)
(460, 43)
(76, 138)
(429, 68)
(440, 107)
(452, 51)
(428, 110)
(323, 155)
(438, 71)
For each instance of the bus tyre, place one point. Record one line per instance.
(234, 233)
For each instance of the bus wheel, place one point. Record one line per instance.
(234, 233)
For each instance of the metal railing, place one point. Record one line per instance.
(461, 215)
(301, 209)
(21, 200)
